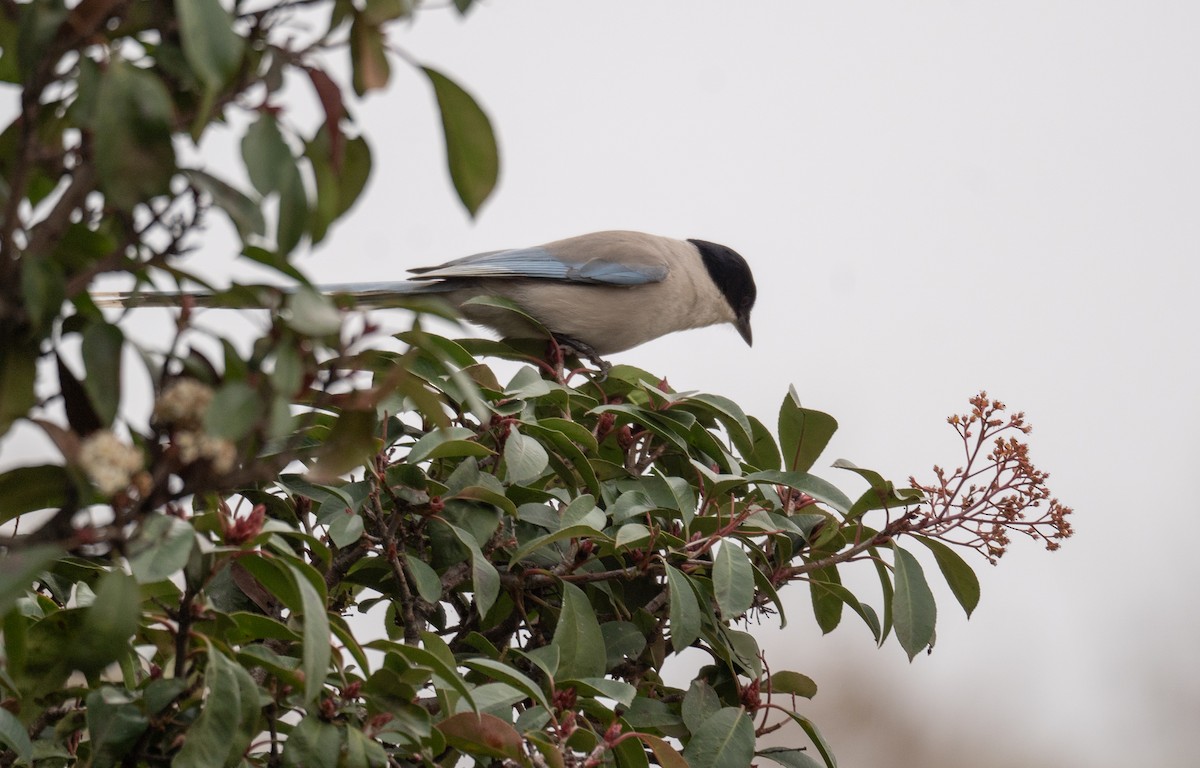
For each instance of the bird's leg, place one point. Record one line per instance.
(585, 351)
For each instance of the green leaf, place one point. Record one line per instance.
(233, 412)
(368, 55)
(524, 458)
(245, 213)
(102, 359)
(18, 369)
(882, 494)
(793, 683)
(313, 742)
(913, 607)
(764, 453)
(684, 610)
(228, 719)
(18, 569)
(821, 490)
(135, 157)
(959, 576)
(666, 755)
(109, 622)
(733, 580)
(485, 579)
(28, 489)
(266, 154)
(346, 530)
(699, 704)
(212, 47)
(827, 606)
(471, 151)
(577, 636)
(483, 734)
(12, 733)
(497, 670)
(317, 651)
(621, 692)
(350, 444)
(788, 757)
(803, 433)
(114, 725)
(725, 740)
(428, 585)
(161, 549)
(818, 740)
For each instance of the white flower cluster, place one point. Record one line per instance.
(182, 405)
(109, 462)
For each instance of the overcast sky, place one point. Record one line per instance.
(936, 198)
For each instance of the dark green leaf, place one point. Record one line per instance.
(882, 494)
(793, 683)
(227, 720)
(317, 651)
(577, 636)
(471, 149)
(114, 724)
(484, 577)
(913, 607)
(212, 47)
(313, 742)
(102, 344)
(664, 753)
(699, 704)
(684, 610)
(733, 580)
(803, 433)
(725, 740)
(962, 580)
(497, 670)
(135, 158)
(791, 758)
(18, 368)
(28, 489)
(245, 214)
(818, 740)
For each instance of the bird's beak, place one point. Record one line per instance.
(743, 328)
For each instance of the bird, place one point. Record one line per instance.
(597, 294)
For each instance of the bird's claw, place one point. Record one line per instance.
(587, 352)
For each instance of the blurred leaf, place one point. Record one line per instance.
(685, 610)
(42, 287)
(577, 636)
(28, 489)
(793, 683)
(109, 622)
(12, 733)
(312, 742)
(245, 214)
(102, 344)
(233, 412)
(524, 458)
(266, 154)
(733, 580)
(20, 567)
(725, 740)
(803, 433)
(471, 149)
(368, 55)
(161, 549)
(18, 368)
(913, 607)
(312, 314)
(212, 47)
(114, 725)
(959, 576)
(483, 734)
(80, 414)
(135, 157)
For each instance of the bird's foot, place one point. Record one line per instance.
(582, 350)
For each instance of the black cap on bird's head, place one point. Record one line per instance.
(732, 275)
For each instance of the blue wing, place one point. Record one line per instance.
(540, 263)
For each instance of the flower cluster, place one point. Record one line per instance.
(109, 462)
(998, 492)
(181, 408)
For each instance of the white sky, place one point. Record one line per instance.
(936, 198)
